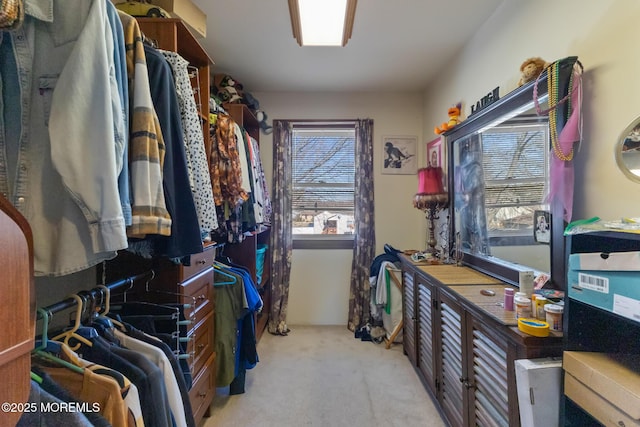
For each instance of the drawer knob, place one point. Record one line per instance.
(202, 394)
(201, 262)
(200, 347)
(201, 298)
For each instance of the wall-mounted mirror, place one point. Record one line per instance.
(628, 151)
(499, 173)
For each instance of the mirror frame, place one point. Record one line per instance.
(514, 100)
(618, 150)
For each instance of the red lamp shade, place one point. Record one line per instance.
(430, 180)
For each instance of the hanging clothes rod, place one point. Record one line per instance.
(93, 293)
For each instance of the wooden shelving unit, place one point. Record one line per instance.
(244, 253)
(172, 34)
(176, 283)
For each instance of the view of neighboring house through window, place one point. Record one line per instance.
(515, 160)
(323, 171)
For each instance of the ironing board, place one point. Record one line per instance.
(398, 283)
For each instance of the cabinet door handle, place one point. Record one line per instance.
(467, 384)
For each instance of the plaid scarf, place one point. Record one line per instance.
(11, 14)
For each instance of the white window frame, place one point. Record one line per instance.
(322, 241)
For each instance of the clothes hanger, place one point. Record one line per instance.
(71, 333)
(102, 318)
(40, 350)
(218, 270)
(57, 360)
(45, 327)
(124, 292)
(37, 378)
(185, 305)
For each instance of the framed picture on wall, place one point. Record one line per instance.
(435, 154)
(399, 155)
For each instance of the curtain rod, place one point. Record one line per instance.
(70, 302)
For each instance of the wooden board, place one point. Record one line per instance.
(454, 275)
(491, 305)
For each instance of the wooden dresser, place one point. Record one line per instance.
(191, 286)
(463, 344)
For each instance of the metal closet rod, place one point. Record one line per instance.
(93, 293)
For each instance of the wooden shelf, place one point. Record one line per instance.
(172, 34)
(243, 116)
(244, 253)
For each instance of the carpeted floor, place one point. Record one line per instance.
(322, 376)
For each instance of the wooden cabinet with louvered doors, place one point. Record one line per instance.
(425, 295)
(474, 343)
(409, 315)
(453, 381)
(488, 377)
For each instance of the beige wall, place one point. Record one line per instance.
(319, 292)
(601, 35)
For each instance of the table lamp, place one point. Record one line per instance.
(431, 197)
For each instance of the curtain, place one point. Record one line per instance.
(365, 239)
(281, 233)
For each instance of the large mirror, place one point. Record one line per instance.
(499, 174)
(628, 151)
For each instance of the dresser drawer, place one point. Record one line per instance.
(203, 389)
(198, 294)
(199, 262)
(201, 344)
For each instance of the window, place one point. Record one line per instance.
(515, 162)
(323, 171)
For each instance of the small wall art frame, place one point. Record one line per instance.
(436, 154)
(399, 155)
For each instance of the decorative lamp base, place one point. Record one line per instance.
(431, 204)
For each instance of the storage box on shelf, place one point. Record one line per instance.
(597, 325)
(607, 384)
(463, 343)
(188, 12)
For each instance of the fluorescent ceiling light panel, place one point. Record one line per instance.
(322, 22)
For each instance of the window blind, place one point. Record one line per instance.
(323, 170)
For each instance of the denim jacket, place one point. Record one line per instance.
(57, 142)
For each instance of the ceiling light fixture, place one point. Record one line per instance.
(322, 23)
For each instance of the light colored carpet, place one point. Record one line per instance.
(322, 376)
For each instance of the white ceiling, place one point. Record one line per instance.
(396, 45)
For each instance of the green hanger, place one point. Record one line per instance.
(37, 378)
(39, 351)
(218, 270)
(59, 361)
(45, 327)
